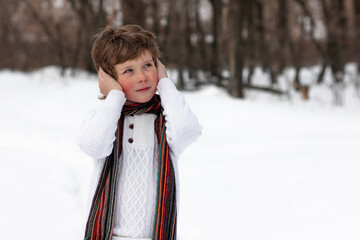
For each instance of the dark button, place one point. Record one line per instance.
(131, 140)
(131, 126)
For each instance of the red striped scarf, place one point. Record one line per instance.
(101, 217)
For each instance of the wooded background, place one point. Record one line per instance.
(207, 41)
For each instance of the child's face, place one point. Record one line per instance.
(138, 78)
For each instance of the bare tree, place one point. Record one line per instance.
(236, 22)
(51, 28)
(134, 12)
(271, 34)
(91, 16)
(217, 7)
(9, 34)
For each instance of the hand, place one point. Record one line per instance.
(161, 69)
(107, 83)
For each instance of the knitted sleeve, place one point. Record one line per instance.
(97, 133)
(182, 126)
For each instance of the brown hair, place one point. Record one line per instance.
(117, 45)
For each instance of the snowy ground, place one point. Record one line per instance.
(265, 168)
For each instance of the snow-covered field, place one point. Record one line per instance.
(265, 168)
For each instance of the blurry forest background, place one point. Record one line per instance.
(218, 42)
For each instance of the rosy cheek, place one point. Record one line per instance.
(126, 87)
(155, 77)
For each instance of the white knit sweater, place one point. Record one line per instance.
(136, 193)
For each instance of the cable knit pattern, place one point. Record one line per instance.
(134, 199)
(137, 179)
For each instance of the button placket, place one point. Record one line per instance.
(131, 126)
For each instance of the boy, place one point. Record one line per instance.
(135, 138)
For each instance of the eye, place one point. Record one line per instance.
(128, 70)
(147, 65)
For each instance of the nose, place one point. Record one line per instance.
(141, 77)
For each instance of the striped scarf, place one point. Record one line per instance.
(101, 217)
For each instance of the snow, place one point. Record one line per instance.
(265, 167)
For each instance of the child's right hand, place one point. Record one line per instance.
(107, 83)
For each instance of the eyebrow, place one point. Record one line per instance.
(131, 66)
(127, 67)
(148, 60)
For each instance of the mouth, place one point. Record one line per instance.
(143, 89)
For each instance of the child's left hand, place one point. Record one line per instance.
(161, 69)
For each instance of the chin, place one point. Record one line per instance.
(142, 100)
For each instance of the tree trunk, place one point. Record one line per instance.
(133, 12)
(216, 26)
(155, 17)
(283, 31)
(236, 60)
